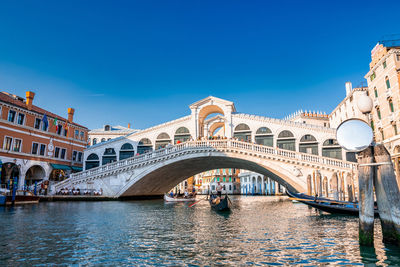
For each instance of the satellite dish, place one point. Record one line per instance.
(354, 135)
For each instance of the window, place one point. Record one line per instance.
(37, 123)
(383, 136)
(398, 57)
(7, 143)
(384, 64)
(57, 152)
(59, 129)
(82, 136)
(17, 145)
(387, 82)
(35, 148)
(395, 129)
(376, 92)
(74, 155)
(76, 134)
(391, 105)
(372, 125)
(45, 127)
(65, 132)
(21, 118)
(11, 116)
(80, 156)
(63, 152)
(94, 141)
(378, 111)
(42, 149)
(373, 76)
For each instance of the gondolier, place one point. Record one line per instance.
(219, 189)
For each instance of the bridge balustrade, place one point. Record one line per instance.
(212, 145)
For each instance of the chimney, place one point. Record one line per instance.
(349, 88)
(71, 112)
(129, 125)
(29, 99)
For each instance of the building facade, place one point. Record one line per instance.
(108, 132)
(206, 182)
(36, 144)
(383, 87)
(310, 117)
(348, 109)
(257, 184)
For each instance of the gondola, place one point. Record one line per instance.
(21, 197)
(220, 204)
(178, 199)
(328, 205)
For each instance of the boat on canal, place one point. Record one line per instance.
(178, 199)
(219, 203)
(21, 197)
(328, 205)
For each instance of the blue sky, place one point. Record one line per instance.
(144, 62)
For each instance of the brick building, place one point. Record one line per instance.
(36, 144)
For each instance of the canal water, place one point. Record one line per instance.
(258, 231)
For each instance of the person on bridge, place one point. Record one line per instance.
(219, 189)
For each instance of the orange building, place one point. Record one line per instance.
(37, 145)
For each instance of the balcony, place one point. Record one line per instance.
(388, 93)
(376, 102)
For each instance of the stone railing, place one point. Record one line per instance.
(209, 145)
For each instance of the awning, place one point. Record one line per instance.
(77, 169)
(60, 167)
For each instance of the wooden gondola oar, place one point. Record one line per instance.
(191, 205)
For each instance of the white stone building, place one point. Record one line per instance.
(252, 183)
(108, 132)
(348, 109)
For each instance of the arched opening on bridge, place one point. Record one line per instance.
(204, 114)
(92, 161)
(264, 137)
(103, 140)
(242, 132)
(9, 171)
(126, 151)
(109, 156)
(351, 156)
(162, 140)
(182, 135)
(94, 141)
(308, 144)
(144, 146)
(34, 174)
(217, 129)
(331, 149)
(286, 140)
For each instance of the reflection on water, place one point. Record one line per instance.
(258, 231)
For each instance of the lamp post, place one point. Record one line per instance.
(375, 169)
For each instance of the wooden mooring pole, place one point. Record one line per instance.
(366, 197)
(387, 196)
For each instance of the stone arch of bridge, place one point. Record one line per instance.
(204, 112)
(163, 176)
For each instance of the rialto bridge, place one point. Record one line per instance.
(302, 157)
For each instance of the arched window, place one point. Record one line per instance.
(182, 135)
(144, 146)
(286, 140)
(387, 82)
(376, 92)
(94, 141)
(103, 140)
(107, 128)
(391, 105)
(331, 149)
(378, 112)
(308, 144)
(162, 140)
(109, 156)
(264, 137)
(126, 151)
(242, 132)
(92, 161)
